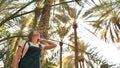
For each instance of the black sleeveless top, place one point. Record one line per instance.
(31, 58)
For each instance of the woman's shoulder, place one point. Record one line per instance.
(21, 42)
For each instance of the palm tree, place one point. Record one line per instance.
(88, 57)
(43, 25)
(69, 60)
(104, 17)
(61, 21)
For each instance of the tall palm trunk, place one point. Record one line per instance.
(43, 25)
(37, 13)
(61, 43)
(76, 45)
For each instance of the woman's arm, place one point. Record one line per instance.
(17, 57)
(48, 44)
(18, 53)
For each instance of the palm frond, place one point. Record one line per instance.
(62, 31)
(106, 15)
(111, 35)
(63, 18)
(71, 11)
(67, 60)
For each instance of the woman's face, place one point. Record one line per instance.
(36, 34)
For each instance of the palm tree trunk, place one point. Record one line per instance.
(43, 24)
(76, 45)
(37, 13)
(61, 43)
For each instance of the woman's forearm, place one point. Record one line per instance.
(49, 44)
(16, 58)
(15, 62)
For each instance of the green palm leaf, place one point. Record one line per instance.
(102, 16)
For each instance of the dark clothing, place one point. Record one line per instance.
(31, 58)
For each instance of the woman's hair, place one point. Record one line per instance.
(30, 35)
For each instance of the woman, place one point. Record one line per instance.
(30, 51)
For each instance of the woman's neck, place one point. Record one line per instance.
(34, 42)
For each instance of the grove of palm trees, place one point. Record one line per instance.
(87, 32)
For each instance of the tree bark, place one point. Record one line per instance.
(43, 25)
(76, 45)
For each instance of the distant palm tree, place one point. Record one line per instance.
(58, 19)
(88, 57)
(105, 18)
(68, 61)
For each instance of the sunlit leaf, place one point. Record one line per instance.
(100, 15)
